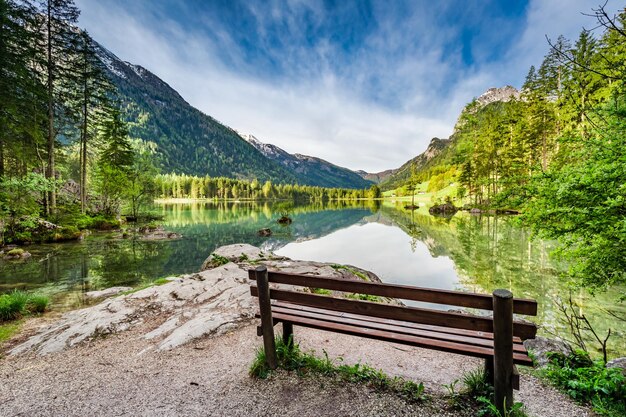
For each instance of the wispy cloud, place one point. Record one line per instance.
(364, 86)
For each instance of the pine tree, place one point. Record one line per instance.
(59, 42)
(93, 93)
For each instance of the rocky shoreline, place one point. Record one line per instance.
(184, 308)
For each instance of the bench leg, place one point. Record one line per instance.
(489, 371)
(267, 323)
(288, 334)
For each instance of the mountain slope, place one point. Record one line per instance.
(310, 170)
(417, 164)
(377, 177)
(442, 152)
(188, 140)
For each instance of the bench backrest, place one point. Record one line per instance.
(522, 330)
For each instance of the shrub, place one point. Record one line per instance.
(37, 304)
(12, 305)
(589, 382)
(18, 303)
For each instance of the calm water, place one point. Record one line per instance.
(465, 252)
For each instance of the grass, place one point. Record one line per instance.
(359, 274)
(588, 382)
(8, 330)
(365, 297)
(20, 303)
(478, 394)
(217, 260)
(291, 358)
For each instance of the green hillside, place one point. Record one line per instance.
(188, 140)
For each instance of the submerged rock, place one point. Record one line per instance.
(186, 308)
(15, 254)
(265, 232)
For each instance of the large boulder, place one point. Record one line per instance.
(185, 308)
(443, 209)
(541, 346)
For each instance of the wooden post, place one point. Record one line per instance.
(503, 349)
(267, 323)
(288, 334)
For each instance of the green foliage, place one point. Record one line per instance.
(365, 297)
(37, 304)
(589, 382)
(18, 303)
(12, 305)
(321, 291)
(291, 358)
(491, 410)
(475, 383)
(218, 260)
(186, 186)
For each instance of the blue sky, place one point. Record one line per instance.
(363, 84)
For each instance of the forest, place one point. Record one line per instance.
(557, 153)
(67, 160)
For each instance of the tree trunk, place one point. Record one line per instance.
(1, 157)
(83, 152)
(51, 207)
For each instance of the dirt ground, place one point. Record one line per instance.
(209, 377)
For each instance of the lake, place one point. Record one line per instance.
(465, 252)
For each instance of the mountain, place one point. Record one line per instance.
(377, 177)
(419, 163)
(442, 151)
(310, 170)
(188, 141)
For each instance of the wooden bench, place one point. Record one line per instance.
(497, 338)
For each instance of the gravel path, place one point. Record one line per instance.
(108, 377)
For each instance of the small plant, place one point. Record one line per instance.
(16, 252)
(18, 303)
(37, 304)
(218, 260)
(476, 384)
(291, 358)
(12, 305)
(365, 297)
(589, 382)
(454, 397)
(489, 409)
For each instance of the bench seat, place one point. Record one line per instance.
(466, 342)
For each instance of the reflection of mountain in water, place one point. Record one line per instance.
(208, 228)
(309, 226)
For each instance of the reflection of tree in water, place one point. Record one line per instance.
(489, 252)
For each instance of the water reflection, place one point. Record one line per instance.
(463, 252)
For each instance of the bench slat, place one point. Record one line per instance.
(444, 346)
(405, 292)
(431, 334)
(471, 333)
(412, 314)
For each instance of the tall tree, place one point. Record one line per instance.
(20, 89)
(93, 94)
(59, 42)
